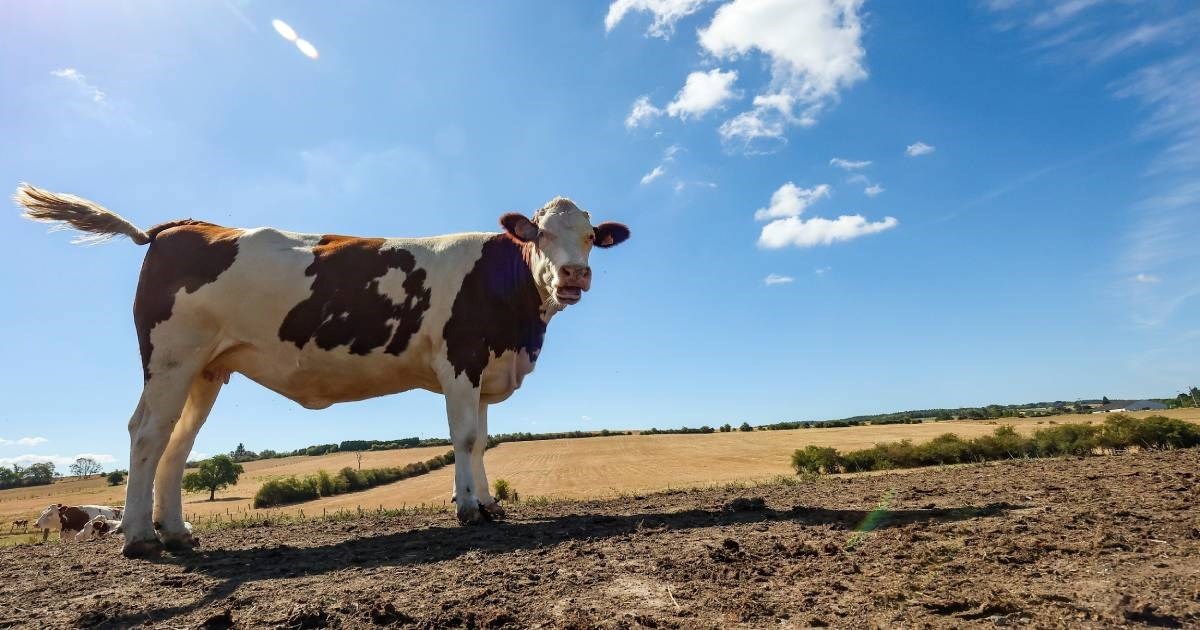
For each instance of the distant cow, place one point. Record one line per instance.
(323, 319)
(22, 524)
(69, 520)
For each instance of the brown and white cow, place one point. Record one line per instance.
(323, 319)
(69, 520)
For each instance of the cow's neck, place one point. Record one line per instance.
(542, 273)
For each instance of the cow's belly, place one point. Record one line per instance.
(317, 378)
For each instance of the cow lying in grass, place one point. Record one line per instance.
(22, 524)
(69, 520)
(323, 319)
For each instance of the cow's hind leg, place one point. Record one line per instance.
(150, 428)
(168, 498)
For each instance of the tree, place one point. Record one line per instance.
(745, 427)
(116, 477)
(726, 428)
(85, 467)
(240, 454)
(214, 474)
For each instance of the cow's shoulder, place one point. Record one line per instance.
(498, 308)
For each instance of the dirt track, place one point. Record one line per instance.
(1062, 543)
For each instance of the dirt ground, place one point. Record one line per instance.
(1096, 542)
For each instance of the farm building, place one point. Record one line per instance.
(1130, 405)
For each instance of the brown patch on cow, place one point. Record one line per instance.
(185, 254)
(498, 308)
(346, 307)
(72, 518)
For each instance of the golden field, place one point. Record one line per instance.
(572, 468)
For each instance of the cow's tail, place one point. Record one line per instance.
(97, 223)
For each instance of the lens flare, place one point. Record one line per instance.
(284, 30)
(308, 49)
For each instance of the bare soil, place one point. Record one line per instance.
(1097, 542)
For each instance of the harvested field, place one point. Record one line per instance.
(1094, 542)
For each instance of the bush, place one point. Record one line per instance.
(501, 490)
(746, 427)
(322, 484)
(285, 491)
(116, 477)
(1118, 431)
(815, 460)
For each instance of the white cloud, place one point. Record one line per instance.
(778, 279)
(703, 92)
(641, 112)
(799, 232)
(791, 200)
(919, 148)
(873, 190)
(820, 271)
(858, 178)
(196, 456)
(25, 441)
(61, 462)
(658, 171)
(78, 78)
(849, 165)
(666, 13)
(670, 152)
(1147, 278)
(815, 50)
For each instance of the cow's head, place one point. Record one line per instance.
(562, 236)
(50, 518)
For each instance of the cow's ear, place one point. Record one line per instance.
(520, 227)
(610, 233)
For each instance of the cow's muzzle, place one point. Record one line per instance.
(573, 280)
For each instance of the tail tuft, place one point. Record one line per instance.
(68, 211)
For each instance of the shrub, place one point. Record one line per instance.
(745, 427)
(815, 459)
(1118, 431)
(116, 477)
(285, 491)
(1065, 439)
(501, 490)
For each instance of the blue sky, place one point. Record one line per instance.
(838, 207)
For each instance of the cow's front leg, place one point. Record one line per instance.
(462, 410)
(483, 492)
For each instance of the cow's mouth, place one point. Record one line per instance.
(569, 295)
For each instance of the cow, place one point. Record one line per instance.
(21, 523)
(69, 520)
(98, 527)
(324, 319)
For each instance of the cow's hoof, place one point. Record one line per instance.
(142, 548)
(493, 512)
(469, 512)
(180, 543)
